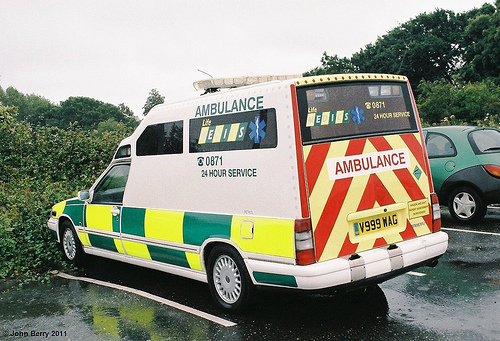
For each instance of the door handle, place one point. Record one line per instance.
(115, 211)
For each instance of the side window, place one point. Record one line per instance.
(161, 139)
(245, 130)
(123, 151)
(439, 145)
(112, 186)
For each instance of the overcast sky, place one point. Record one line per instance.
(117, 51)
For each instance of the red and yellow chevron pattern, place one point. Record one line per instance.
(333, 202)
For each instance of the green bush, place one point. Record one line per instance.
(40, 166)
(441, 102)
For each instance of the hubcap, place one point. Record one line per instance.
(69, 244)
(227, 279)
(464, 205)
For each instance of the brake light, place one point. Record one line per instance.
(436, 213)
(304, 243)
(493, 170)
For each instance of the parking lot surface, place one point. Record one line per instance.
(459, 299)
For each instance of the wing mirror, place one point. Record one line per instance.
(84, 195)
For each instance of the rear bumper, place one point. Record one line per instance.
(375, 265)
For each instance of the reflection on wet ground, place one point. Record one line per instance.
(456, 300)
(77, 310)
(80, 311)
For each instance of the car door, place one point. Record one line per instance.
(103, 212)
(442, 152)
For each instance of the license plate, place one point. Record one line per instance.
(370, 225)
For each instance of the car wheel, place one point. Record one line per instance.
(466, 205)
(228, 279)
(70, 244)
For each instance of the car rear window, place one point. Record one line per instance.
(485, 141)
(350, 110)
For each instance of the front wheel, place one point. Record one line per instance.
(466, 205)
(228, 279)
(70, 244)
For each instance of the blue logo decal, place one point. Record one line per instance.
(257, 130)
(356, 229)
(358, 115)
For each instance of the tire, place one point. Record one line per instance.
(466, 205)
(228, 279)
(70, 244)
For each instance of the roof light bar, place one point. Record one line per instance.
(233, 82)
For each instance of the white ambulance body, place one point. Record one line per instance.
(318, 183)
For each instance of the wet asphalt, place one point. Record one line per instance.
(459, 299)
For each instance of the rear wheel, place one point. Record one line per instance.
(228, 279)
(70, 244)
(466, 205)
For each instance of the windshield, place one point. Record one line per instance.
(350, 110)
(485, 141)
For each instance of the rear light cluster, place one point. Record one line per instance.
(436, 213)
(304, 243)
(493, 170)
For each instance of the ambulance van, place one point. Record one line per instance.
(307, 183)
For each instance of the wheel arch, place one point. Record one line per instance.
(60, 223)
(445, 194)
(461, 179)
(210, 244)
(232, 285)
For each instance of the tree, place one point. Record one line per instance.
(80, 111)
(482, 47)
(154, 98)
(466, 102)
(85, 112)
(30, 108)
(428, 47)
(127, 113)
(331, 65)
(436, 100)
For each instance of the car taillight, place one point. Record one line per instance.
(304, 243)
(436, 213)
(493, 170)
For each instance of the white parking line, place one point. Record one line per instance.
(144, 294)
(414, 273)
(470, 231)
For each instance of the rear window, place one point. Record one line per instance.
(485, 141)
(343, 111)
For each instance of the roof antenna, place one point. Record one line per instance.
(206, 73)
(210, 90)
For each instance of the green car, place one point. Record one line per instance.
(465, 167)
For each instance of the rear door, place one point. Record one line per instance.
(366, 171)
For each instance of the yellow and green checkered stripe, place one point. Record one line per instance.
(143, 230)
(176, 237)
